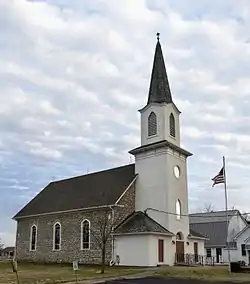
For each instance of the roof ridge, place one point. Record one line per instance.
(127, 218)
(155, 222)
(205, 222)
(203, 213)
(142, 214)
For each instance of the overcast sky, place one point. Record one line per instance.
(74, 73)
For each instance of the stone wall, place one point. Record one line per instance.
(70, 234)
(128, 203)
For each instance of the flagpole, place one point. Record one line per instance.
(225, 187)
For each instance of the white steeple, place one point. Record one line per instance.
(161, 188)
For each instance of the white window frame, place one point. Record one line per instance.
(82, 248)
(31, 230)
(54, 229)
(210, 250)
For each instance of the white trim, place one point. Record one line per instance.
(67, 211)
(197, 238)
(57, 223)
(159, 104)
(81, 245)
(132, 182)
(34, 225)
(143, 233)
(241, 232)
(246, 240)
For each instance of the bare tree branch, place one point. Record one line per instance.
(102, 232)
(207, 207)
(1, 245)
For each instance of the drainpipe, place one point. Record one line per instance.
(112, 230)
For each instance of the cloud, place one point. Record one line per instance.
(74, 73)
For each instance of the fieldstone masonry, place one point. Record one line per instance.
(70, 234)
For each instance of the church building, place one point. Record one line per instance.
(138, 212)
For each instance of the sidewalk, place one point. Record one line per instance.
(148, 272)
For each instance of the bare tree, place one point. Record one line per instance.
(102, 232)
(205, 208)
(1, 245)
(208, 207)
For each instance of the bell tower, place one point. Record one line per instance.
(160, 116)
(160, 162)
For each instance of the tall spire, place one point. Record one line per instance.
(159, 90)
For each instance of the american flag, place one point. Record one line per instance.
(219, 178)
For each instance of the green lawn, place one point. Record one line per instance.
(56, 273)
(212, 273)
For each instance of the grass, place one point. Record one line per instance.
(30, 273)
(210, 273)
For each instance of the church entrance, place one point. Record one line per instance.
(179, 248)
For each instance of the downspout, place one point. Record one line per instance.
(112, 230)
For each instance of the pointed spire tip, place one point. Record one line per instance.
(159, 89)
(158, 36)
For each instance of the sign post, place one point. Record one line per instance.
(75, 268)
(14, 268)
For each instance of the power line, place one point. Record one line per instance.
(200, 215)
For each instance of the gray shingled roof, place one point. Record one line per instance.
(95, 189)
(193, 233)
(216, 232)
(159, 90)
(212, 225)
(139, 222)
(218, 216)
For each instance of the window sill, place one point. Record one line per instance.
(152, 136)
(83, 249)
(55, 250)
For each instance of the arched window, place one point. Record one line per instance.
(33, 237)
(57, 236)
(152, 124)
(85, 234)
(178, 209)
(179, 236)
(172, 125)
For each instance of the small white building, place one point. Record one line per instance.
(242, 243)
(236, 235)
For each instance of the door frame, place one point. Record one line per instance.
(248, 256)
(217, 254)
(180, 256)
(160, 250)
(196, 251)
